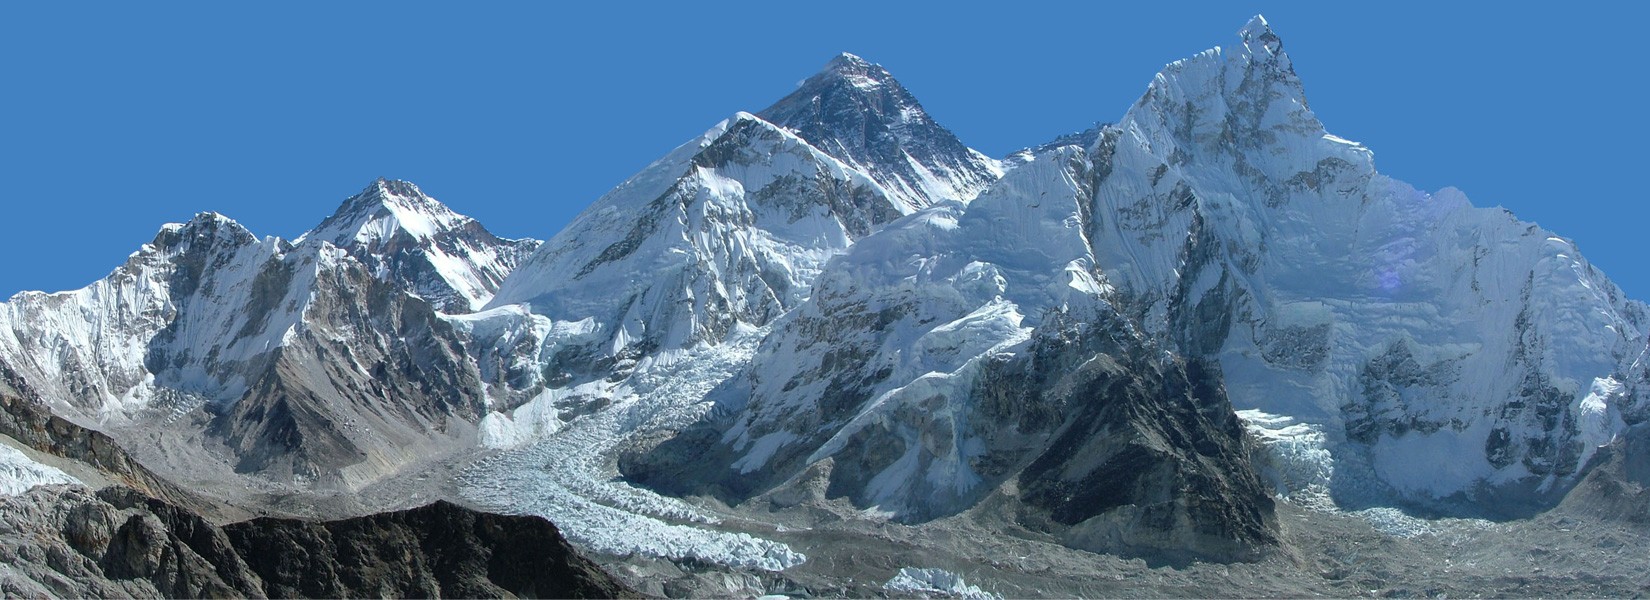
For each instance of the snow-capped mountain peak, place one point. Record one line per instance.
(1409, 325)
(730, 226)
(1258, 31)
(203, 226)
(379, 211)
(857, 112)
(857, 72)
(404, 235)
(1264, 49)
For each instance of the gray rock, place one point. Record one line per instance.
(66, 541)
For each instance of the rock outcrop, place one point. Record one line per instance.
(67, 541)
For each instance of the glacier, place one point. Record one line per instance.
(1132, 338)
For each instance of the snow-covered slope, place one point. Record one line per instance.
(880, 315)
(730, 226)
(19, 473)
(162, 321)
(400, 234)
(1450, 351)
(304, 359)
(968, 351)
(728, 231)
(657, 293)
(909, 318)
(1451, 357)
(857, 112)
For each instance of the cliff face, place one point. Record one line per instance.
(66, 541)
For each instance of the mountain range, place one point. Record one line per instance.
(1179, 337)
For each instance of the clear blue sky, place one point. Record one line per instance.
(116, 118)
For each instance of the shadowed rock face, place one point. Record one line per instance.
(440, 550)
(66, 541)
(1090, 435)
(373, 372)
(316, 362)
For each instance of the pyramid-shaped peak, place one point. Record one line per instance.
(854, 71)
(847, 63)
(384, 190)
(1256, 28)
(210, 221)
(855, 111)
(380, 210)
(403, 235)
(397, 193)
(212, 227)
(846, 60)
(1258, 36)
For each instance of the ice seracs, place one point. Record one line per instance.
(19, 473)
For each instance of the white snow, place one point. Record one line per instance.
(642, 266)
(1598, 415)
(762, 449)
(966, 283)
(567, 476)
(388, 215)
(532, 421)
(1300, 466)
(19, 473)
(934, 583)
(1335, 265)
(698, 275)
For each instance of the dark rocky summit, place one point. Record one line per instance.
(66, 541)
(439, 550)
(857, 112)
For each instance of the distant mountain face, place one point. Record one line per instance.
(963, 348)
(1459, 356)
(404, 236)
(1456, 358)
(857, 112)
(303, 358)
(722, 236)
(835, 299)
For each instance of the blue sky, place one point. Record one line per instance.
(116, 118)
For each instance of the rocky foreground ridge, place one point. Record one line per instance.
(69, 541)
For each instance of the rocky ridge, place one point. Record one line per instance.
(67, 541)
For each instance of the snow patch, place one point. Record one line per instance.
(1598, 415)
(1433, 464)
(528, 422)
(934, 583)
(19, 473)
(762, 449)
